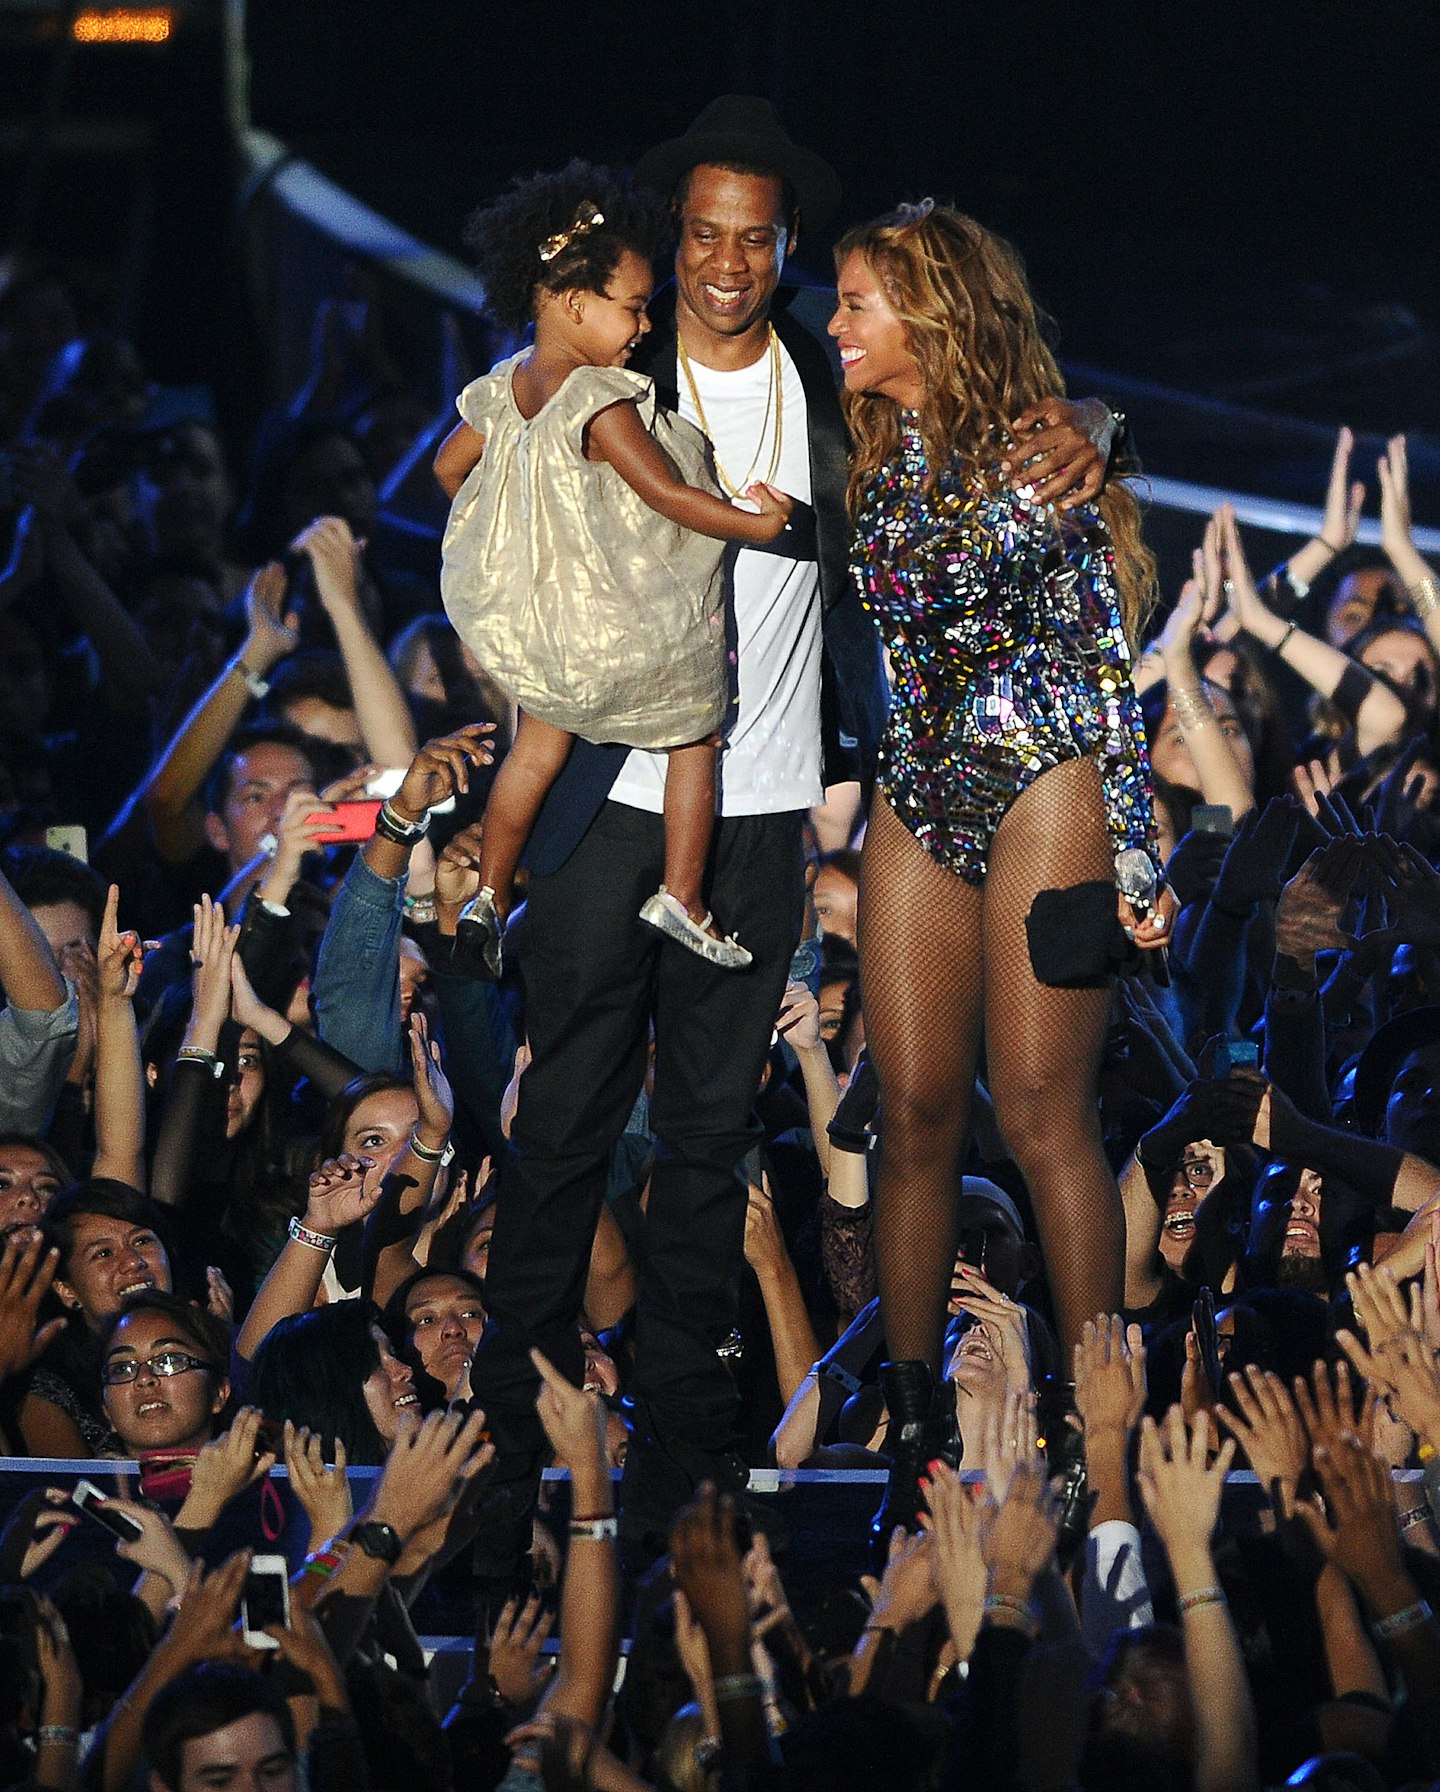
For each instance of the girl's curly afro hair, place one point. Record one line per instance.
(506, 237)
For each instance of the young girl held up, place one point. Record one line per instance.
(582, 558)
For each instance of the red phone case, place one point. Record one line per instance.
(351, 821)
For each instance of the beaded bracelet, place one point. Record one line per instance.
(317, 1241)
(1420, 1514)
(737, 1686)
(1410, 1618)
(420, 909)
(594, 1530)
(1202, 1596)
(320, 1564)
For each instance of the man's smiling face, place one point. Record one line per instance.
(734, 238)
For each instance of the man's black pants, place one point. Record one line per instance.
(595, 978)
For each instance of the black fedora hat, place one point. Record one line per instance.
(738, 127)
(1387, 1049)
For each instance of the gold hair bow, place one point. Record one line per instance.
(587, 216)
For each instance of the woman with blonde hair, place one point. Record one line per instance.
(1012, 778)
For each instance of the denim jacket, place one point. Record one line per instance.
(357, 981)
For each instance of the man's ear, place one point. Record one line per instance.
(221, 1395)
(216, 833)
(66, 1295)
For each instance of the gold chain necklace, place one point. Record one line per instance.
(774, 401)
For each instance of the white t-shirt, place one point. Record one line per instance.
(770, 761)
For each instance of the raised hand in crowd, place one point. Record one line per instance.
(225, 1467)
(1264, 1420)
(321, 1487)
(1109, 1372)
(27, 1272)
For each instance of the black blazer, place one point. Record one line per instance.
(853, 695)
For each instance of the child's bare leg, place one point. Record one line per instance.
(532, 765)
(689, 821)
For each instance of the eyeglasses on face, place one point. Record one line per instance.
(168, 1363)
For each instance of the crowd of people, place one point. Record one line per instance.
(329, 1139)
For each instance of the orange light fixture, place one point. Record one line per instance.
(124, 25)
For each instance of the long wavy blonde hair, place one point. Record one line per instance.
(977, 336)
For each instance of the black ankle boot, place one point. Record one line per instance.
(911, 1441)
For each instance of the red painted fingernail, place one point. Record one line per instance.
(932, 1465)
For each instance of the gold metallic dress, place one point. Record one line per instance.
(590, 609)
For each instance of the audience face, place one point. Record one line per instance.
(65, 924)
(261, 781)
(601, 1374)
(1195, 1175)
(161, 1412)
(248, 1086)
(389, 1389)
(184, 497)
(1354, 603)
(378, 1129)
(110, 1259)
(1406, 659)
(444, 1318)
(836, 898)
(249, 1755)
(327, 478)
(414, 975)
(476, 1256)
(28, 1184)
(1412, 1109)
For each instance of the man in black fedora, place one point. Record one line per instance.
(725, 352)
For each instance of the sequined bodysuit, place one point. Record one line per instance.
(1002, 622)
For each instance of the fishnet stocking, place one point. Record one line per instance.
(937, 954)
(922, 978)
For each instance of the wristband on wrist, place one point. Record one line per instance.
(1411, 1617)
(320, 1564)
(258, 687)
(420, 909)
(593, 1530)
(317, 1241)
(1320, 541)
(1280, 645)
(58, 1733)
(395, 828)
(428, 1154)
(737, 1686)
(1420, 1514)
(1012, 1607)
(1201, 1597)
(196, 1054)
